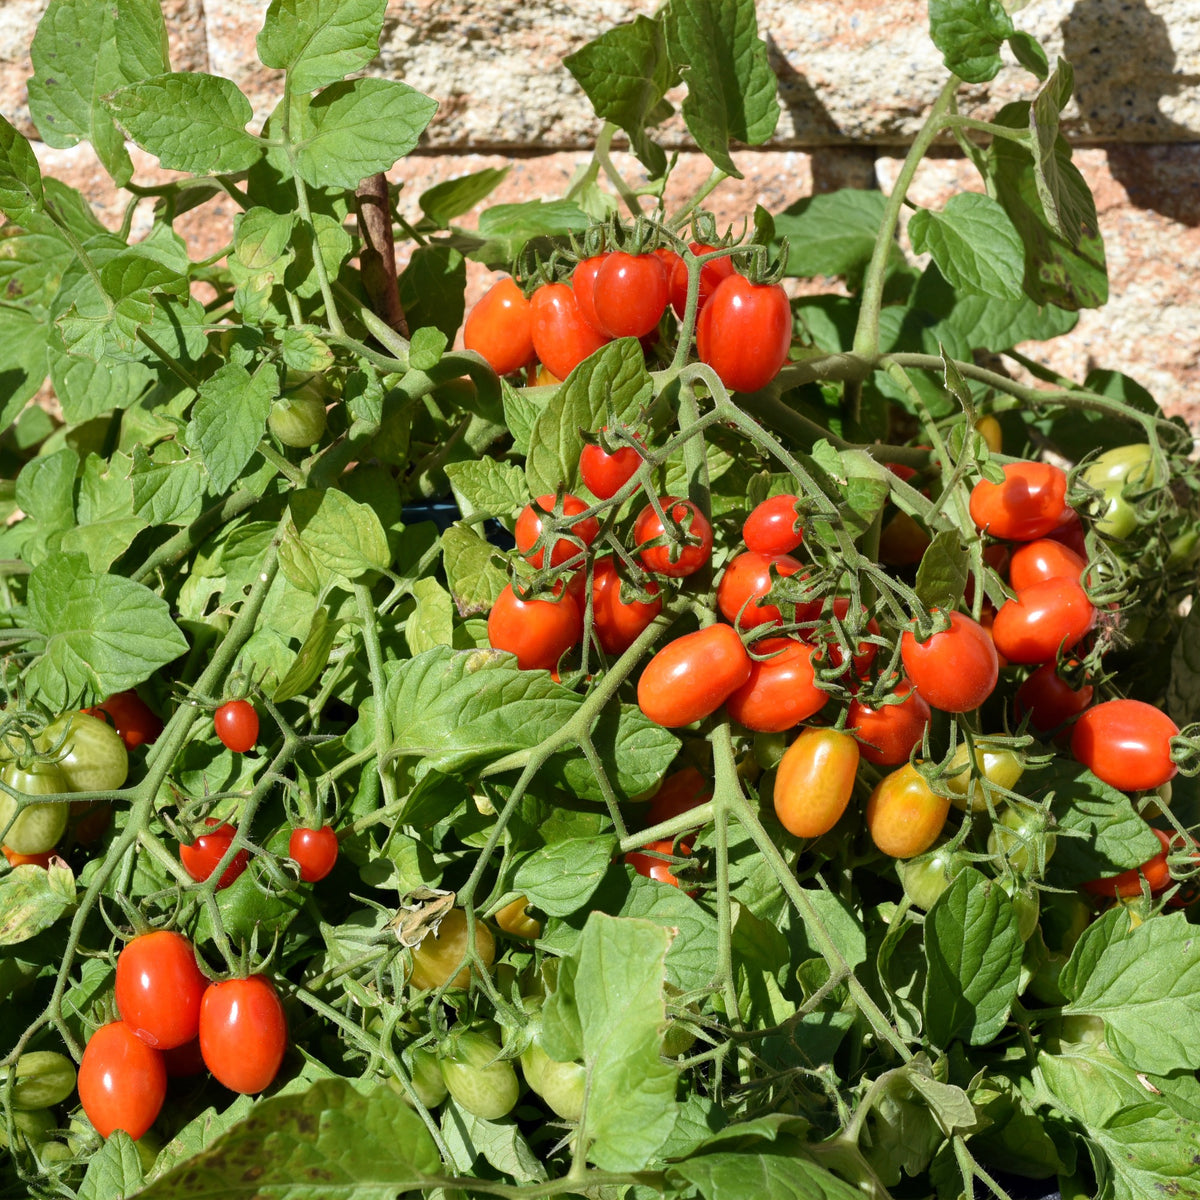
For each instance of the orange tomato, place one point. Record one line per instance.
(814, 781)
(904, 814)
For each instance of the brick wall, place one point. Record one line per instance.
(855, 78)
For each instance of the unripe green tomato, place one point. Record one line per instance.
(533, 1064)
(1001, 767)
(563, 1086)
(1183, 549)
(1111, 473)
(769, 749)
(33, 1127)
(298, 419)
(93, 756)
(1026, 906)
(426, 1076)
(44, 1078)
(678, 1039)
(925, 878)
(54, 1152)
(39, 826)
(486, 1086)
(1021, 837)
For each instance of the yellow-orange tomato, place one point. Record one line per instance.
(814, 781)
(441, 951)
(988, 428)
(904, 814)
(516, 922)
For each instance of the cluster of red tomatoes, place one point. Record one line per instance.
(743, 328)
(175, 1022)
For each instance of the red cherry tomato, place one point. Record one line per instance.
(316, 851)
(1049, 700)
(132, 718)
(954, 670)
(41, 859)
(562, 338)
(1127, 743)
(1069, 531)
(122, 1081)
(1029, 504)
(673, 558)
(539, 632)
(616, 623)
(781, 691)
(1044, 619)
(744, 332)
(631, 293)
(1035, 562)
(744, 581)
(243, 1033)
(236, 724)
(1155, 871)
(201, 857)
(158, 989)
(866, 651)
(711, 276)
(656, 868)
(693, 676)
(814, 781)
(606, 474)
(678, 793)
(529, 529)
(773, 526)
(888, 734)
(583, 284)
(500, 328)
(184, 1061)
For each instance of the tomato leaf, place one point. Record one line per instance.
(320, 41)
(487, 488)
(942, 575)
(1066, 207)
(168, 484)
(340, 536)
(1029, 53)
(116, 1170)
(31, 901)
(561, 878)
(969, 33)
(432, 621)
(107, 522)
(103, 633)
(1183, 693)
(474, 577)
(453, 197)
(833, 233)
(21, 194)
(431, 288)
(23, 341)
(715, 46)
(779, 1174)
(974, 244)
(500, 1143)
(973, 958)
(1145, 983)
(229, 419)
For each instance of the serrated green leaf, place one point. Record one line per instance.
(360, 127)
(1064, 206)
(969, 33)
(229, 419)
(320, 41)
(942, 575)
(431, 289)
(832, 234)
(340, 535)
(142, 44)
(487, 488)
(560, 878)
(714, 44)
(311, 659)
(107, 522)
(475, 579)
(506, 229)
(432, 621)
(191, 121)
(23, 340)
(116, 1170)
(168, 484)
(21, 194)
(426, 348)
(85, 389)
(973, 243)
(453, 197)
(751, 1175)
(30, 902)
(634, 753)
(1183, 691)
(1029, 53)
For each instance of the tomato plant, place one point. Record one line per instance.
(814, 781)
(314, 850)
(201, 857)
(1154, 874)
(134, 720)
(780, 690)
(664, 550)
(1035, 562)
(973, 768)
(298, 420)
(711, 276)
(1022, 837)
(744, 583)
(1045, 619)
(243, 1032)
(691, 677)
(630, 293)
(744, 332)
(955, 670)
(889, 732)
(530, 523)
(562, 338)
(91, 757)
(539, 632)
(158, 989)
(485, 1084)
(616, 622)
(436, 958)
(904, 814)
(514, 919)
(1029, 504)
(1120, 474)
(1127, 743)
(122, 1081)
(236, 724)
(500, 327)
(653, 865)
(35, 828)
(773, 526)
(678, 793)
(1049, 700)
(606, 474)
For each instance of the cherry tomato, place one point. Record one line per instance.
(243, 1033)
(561, 336)
(561, 1084)
(529, 529)
(122, 1081)
(677, 794)
(954, 670)
(606, 474)
(41, 859)
(814, 781)
(773, 526)
(477, 1077)
(674, 557)
(902, 542)
(92, 758)
(316, 851)
(989, 429)
(615, 622)
(1154, 871)
(437, 958)
(745, 580)
(135, 721)
(539, 632)
(904, 814)
(925, 878)
(654, 868)
(1127, 743)
(1035, 562)
(583, 284)
(1044, 619)
(43, 1078)
(712, 274)
(998, 765)
(514, 919)
(866, 651)
(1069, 532)
(159, 987)
(500, 328)
(631, 293)
(888, 734)
(1029, 503)
(37, 827)
(744, 332)
(1022, 837)
(781, 690)
(693, 676)
(298, 420)
(236, 724)
(1049, 700)
(201, 857)
(1111, 473)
